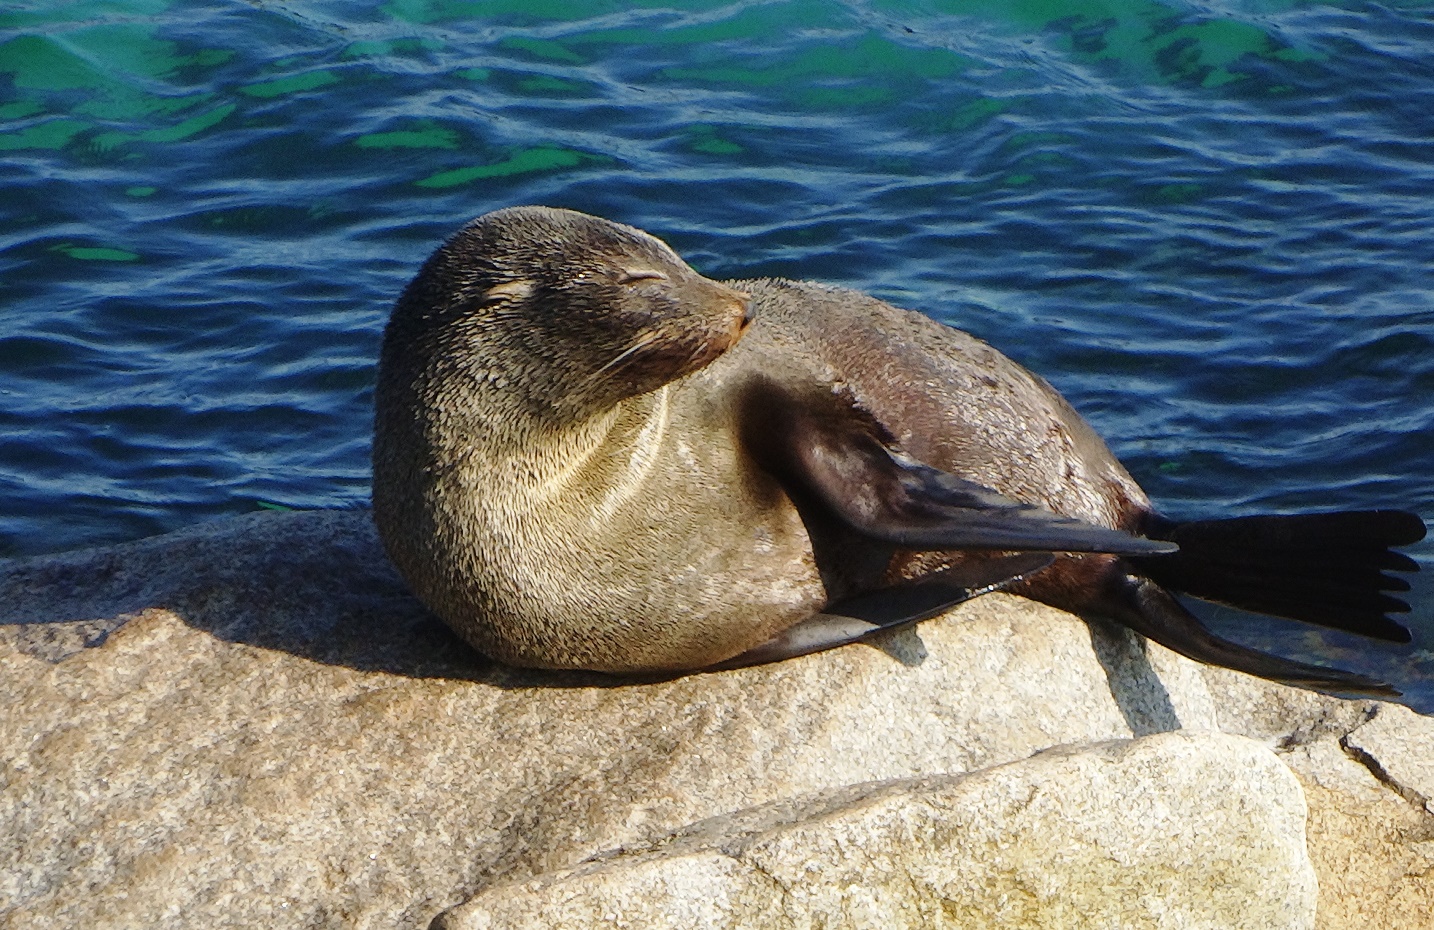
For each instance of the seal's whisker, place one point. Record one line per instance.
(643, 341)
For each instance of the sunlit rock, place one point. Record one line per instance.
(251, 723)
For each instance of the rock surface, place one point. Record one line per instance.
(1371, 839)
(252, 723)
(1111, 835)
(1398, 745)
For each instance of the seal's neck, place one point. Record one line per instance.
(602, 457)
(546, 454)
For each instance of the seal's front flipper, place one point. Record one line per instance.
(892, 608)
(814, 634)
(924, 508)
(833, 449)
(1150, 610)
(925, 597)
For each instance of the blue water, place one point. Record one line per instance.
(1211, 224)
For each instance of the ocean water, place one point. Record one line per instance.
(1210, 224)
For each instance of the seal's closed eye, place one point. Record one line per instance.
(508, 291)
(638, 275)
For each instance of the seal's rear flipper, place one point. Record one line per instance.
(838, 452)
(1330, 569)
(1150, 610)
(892, 608)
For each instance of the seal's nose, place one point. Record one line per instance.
(749, 312)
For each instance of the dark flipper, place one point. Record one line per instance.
(1151, 611)
(1328, 569)
(836, 451)
(892, 608)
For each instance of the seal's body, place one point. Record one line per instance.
(588, 456)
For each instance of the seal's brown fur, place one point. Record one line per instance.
(578, 456)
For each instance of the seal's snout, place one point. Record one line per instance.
(743, 311)
(749, 311)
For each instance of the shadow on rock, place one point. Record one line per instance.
(314, 584)
(1136, 687)
(318, 585)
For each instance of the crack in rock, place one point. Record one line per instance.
(1360, 750)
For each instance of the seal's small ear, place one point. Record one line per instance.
(508, 291)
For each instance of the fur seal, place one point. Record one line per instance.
(588, 456)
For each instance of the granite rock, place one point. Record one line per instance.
(1363, 766)
(1107, 835)
(251, 722)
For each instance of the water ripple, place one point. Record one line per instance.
(1207, 224)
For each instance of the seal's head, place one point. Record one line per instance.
(562, 313)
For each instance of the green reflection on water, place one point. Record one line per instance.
(105, 73)
(706, 140)
(383, 48)
(108, 84)
(873, 69)
(51, 134)
(175, 133)
(19, 109)
(292, 84)
(974, 113)
(758, 25)
(428, 137)
(432, 11)
(1160, 41)
(191, 126)
(1157, 40)
(543, 158)
(77, 11)
(96, 253)
(112, 63)
(1179, 193)
(543, 48)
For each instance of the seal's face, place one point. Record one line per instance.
(655, 318)
(605, 311)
